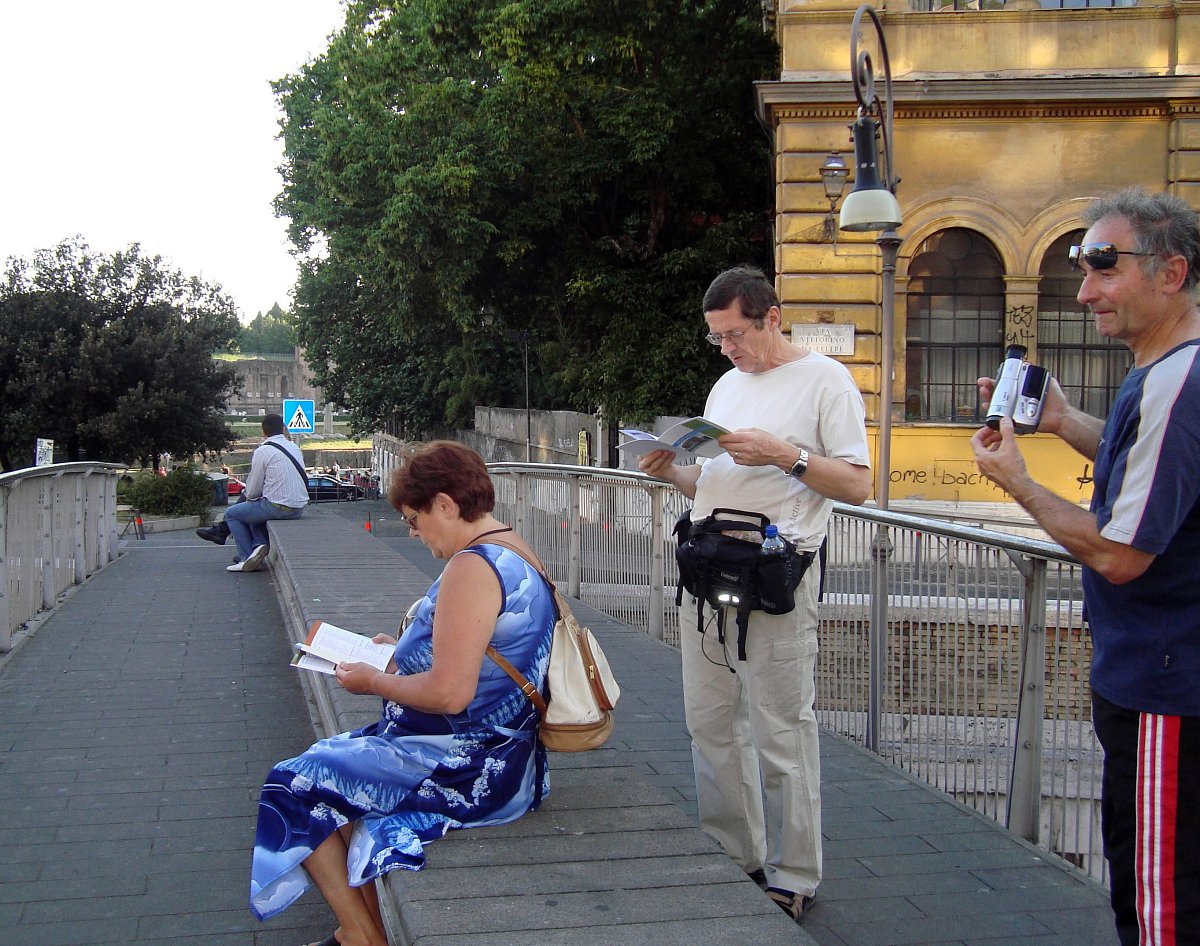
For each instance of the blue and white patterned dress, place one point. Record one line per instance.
(412, 776)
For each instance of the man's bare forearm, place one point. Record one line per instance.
(1082, 432)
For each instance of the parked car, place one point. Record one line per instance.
(326, 489)
(234, 487)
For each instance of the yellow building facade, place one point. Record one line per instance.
(1007, 122)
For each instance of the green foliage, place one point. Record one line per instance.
(580, 169)
(111, 357)
(270, 334)
(182, 492)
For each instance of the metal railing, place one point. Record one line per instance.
(971, 672)
(58, 525)
(935, 6)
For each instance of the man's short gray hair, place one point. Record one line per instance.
(1163, 225)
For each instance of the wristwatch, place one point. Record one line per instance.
(800, 467)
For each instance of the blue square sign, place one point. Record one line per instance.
(300, 417)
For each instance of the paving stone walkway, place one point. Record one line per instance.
(136, 725)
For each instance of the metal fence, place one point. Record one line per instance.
(937, 6)
(969, 670)
(58, 525)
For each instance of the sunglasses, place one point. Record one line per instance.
(1098, 255)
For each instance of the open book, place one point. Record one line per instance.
(694, 437)
(328, 645)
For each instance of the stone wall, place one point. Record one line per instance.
(502, 433)
(949, 667)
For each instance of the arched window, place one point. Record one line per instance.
(1088, 367)
(955, 328)
(285, 386)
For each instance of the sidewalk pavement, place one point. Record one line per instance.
(137, 723)
(136, 726)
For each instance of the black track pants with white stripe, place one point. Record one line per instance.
(1150, 810)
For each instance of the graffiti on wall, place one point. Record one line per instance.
(938, 464)
(1020, 325)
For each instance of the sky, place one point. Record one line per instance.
(153, 122)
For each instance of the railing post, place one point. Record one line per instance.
(94, 523)
(658, 573)
(7, 610)
(881, 550)
(522, 509)
(1025, 781)
(49, 487)
(79, 569)
(110, 546)
(574, 538)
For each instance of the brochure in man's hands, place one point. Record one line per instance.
(694, 437)
(328, 645)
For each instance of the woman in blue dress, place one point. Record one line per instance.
(456, 744)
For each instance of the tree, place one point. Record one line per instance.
(270, 334)
(111, 357)
(580, 168)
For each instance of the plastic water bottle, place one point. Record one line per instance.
(773, 544)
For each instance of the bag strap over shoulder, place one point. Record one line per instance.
(295, 463)
(519, 679)
(559, 603)
(502, 662)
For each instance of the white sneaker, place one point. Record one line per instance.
(256, 558)
(236, 567)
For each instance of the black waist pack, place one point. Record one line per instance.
(730, 572)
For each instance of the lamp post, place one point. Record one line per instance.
(488, 317)
(523, 334)
(872, 207)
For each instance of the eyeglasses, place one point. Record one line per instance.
(1098, 255)
(716, 338)
(411, 521)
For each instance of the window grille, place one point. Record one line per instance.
(955, 326)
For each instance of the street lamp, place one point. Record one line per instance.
(833, 177)
(872, 207)
(523, 334)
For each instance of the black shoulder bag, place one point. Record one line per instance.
(731, 572)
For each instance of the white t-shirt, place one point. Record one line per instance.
(811, 402)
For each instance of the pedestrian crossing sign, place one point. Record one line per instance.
(299, 417)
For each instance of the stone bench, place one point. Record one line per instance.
(608, 858)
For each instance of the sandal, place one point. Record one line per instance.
(329, 940)
(794, 905)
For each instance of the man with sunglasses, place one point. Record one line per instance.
(797, 443)
(1139, 546)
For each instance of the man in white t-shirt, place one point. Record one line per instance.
(277, 488)
(798, 443)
